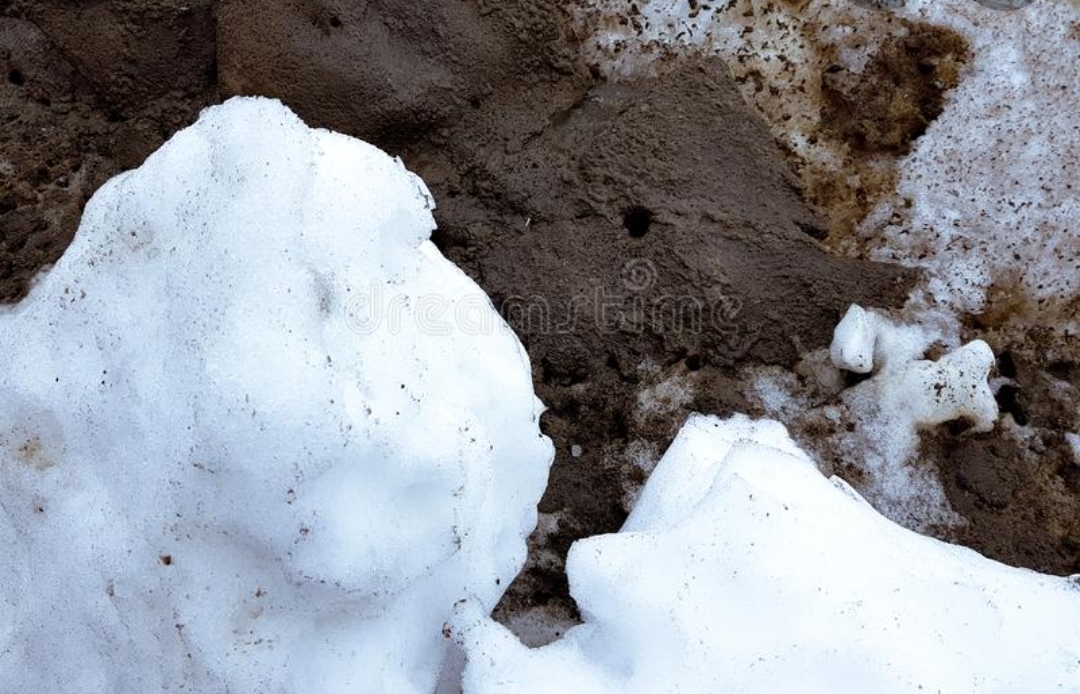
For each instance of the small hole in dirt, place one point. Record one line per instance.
(335, 22)
(1061, 370)
(813, 230)
(619, 426)
(853, 379)
(474, 102)
(1006, 365)
(637, 221)
(552, 374)
(1008, 400)
(958, 426)
(441, 239)
(694, 362)
(16, 77)
(1070, 473)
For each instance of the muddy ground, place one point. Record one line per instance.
(630, 231)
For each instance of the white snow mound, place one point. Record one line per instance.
(256, 434)
(742, 569)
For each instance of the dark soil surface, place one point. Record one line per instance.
(90, 89)
(1019, 489)
(623, 229)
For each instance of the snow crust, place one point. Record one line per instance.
(251, 437)
(742, 569)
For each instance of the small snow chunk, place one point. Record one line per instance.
(953, 387)
(853, 341)
(575, 451)
(1074, 442)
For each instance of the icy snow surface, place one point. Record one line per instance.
(742, 569)
(256, 434)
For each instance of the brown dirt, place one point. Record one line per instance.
(1022, 502)
(887, 106)
(876, 115)
(627, 231)
(1019, 488)
(88, 90)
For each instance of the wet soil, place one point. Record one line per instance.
(1019, 485)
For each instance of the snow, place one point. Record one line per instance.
(742, 569)
(852, 347)
(907, 394)
(1074, 443)
(247, 441)
(917, 391)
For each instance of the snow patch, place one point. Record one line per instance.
(743, 569)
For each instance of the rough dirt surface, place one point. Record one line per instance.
(634, 233)
(1019, 485)
(88, 90)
